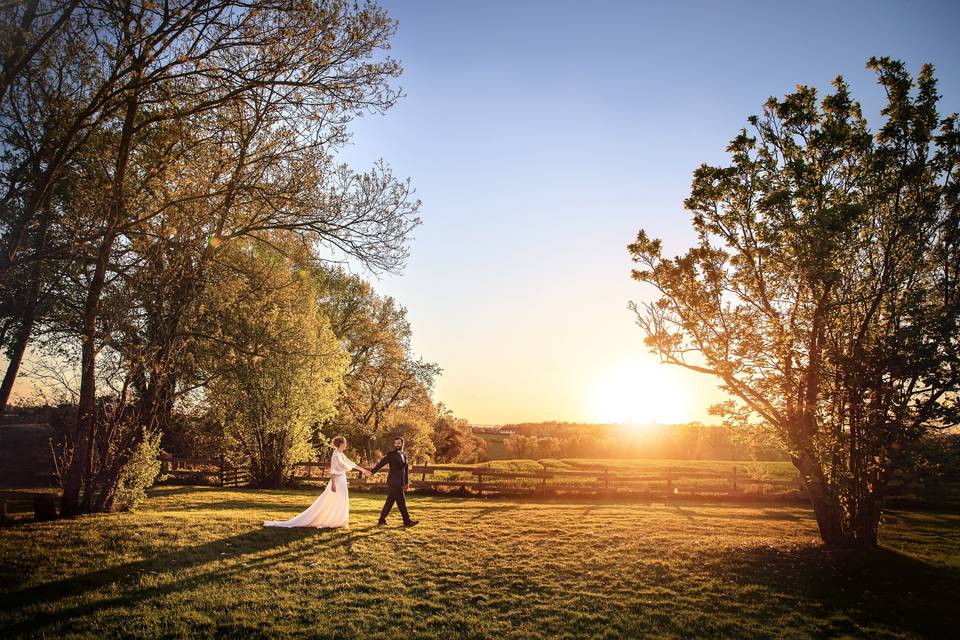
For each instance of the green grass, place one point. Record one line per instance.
(195, 562)
(775, 469)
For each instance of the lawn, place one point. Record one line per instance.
(778, 470)
(194, 562)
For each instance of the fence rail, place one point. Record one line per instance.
(489, 480)
(212, 470)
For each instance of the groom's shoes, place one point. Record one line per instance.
(411, 523)
(381, 523)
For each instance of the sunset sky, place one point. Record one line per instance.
(541, 135)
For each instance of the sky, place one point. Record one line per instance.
(541, 136)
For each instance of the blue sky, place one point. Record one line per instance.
(541, 136)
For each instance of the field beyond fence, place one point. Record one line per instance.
(528, 477)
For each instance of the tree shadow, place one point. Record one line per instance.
(685, 513)
(781, 514)
(164, 490)
(852, 592)
(492, 511)
(252, 503)
(125, 577)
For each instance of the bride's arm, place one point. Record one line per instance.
(353, 465)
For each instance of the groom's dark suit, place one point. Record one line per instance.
(397, 479)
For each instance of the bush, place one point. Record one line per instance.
(139, 474)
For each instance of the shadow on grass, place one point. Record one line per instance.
(164, 490)
(853, 592)
(685, 513)
(126, 577)
(492, 512)
(260, 505)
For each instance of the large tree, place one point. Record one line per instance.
(453, 440)
(279, 366)
(151, 137)
(823, 290)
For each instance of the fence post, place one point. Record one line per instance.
(543, 482)
(734, 478)
(669, 481)
(606, 478)
(221, 470)
(480, 483)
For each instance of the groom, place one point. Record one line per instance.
(398, 479)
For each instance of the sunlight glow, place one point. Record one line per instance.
(639, 393)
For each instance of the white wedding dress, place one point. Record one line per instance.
(331, 509)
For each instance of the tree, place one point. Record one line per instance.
(413, 421)
(454, 441)
(155, 137)
(26, 27)
(822, 292)
(383, 376)
(281, 367)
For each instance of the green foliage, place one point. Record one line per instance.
(139, 474)
(414, 423)
(279, 366)
(454, 441)
(824, 289)
(386, 387)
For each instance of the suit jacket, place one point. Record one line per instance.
(399, 474)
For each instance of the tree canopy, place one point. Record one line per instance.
(150, 152)
(823, 290)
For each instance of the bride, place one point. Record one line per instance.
(331, 509)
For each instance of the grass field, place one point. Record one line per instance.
(768, 469)
(778, 470)
(194, 562)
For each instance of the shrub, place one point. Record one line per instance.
(139, 474)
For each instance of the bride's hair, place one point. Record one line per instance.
(339, 440)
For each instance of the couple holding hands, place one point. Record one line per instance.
(331, 509)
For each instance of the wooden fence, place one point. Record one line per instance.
(598, 480)
(208, 470)
(486, 480)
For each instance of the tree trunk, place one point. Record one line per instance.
(826, 511)
(82, 459)
(867, 520)
(28, 319)
(16, 357)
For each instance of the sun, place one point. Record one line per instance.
(637, 392)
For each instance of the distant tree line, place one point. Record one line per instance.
(692, 441)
